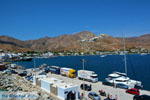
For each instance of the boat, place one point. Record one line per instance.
(121, 53)
(25, 59)
(102, 56)
(143, 54)
(121, 78)
(46, 57)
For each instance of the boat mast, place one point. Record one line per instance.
(125, 61)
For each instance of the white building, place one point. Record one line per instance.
(48, 54)
(57, 87)
(4, 56)
(61, 54)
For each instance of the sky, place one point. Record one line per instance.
(33, 19)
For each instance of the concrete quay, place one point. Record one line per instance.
(121, 93)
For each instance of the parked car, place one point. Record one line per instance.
(11, 71)
(107, 83)
(14, 72)
(29, 77)
(133, 91)
(94, 96)
(24, 73)
(85, 87)
(8, 71)
(42, 73)
(141, 97)
(109, 99)
(123, 86)
(47, 70)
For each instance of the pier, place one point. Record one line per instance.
(121, 93)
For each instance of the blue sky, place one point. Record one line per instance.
(33, 19)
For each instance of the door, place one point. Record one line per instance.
(71, 95)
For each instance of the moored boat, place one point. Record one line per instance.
(121, 78)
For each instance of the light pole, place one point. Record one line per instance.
(34, 69)
(83, 61)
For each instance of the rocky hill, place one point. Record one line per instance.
(12, 44)
(141, 41)
(80, 42)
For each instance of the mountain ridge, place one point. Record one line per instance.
(83, 41)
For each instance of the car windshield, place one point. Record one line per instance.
(95, 95)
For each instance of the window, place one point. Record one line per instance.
(94, 76)
(121, 80)
(95, 95)
(133, 90)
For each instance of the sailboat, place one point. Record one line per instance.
(121, 78)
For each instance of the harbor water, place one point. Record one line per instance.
(138, 66)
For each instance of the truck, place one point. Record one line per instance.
(87, 75)
(69, 72)
(13, 66)
(54, 69)
(2, 67)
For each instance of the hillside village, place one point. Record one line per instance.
(81, 43)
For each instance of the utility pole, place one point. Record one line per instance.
(83, 61)
(34, 69)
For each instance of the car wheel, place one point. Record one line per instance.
(89, 96)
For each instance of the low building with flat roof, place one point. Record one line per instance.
(64, 91)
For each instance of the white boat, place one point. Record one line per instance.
(121, 53)
(143, 54)
(102, 56)
(117, 77)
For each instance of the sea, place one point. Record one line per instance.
(138, 66)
